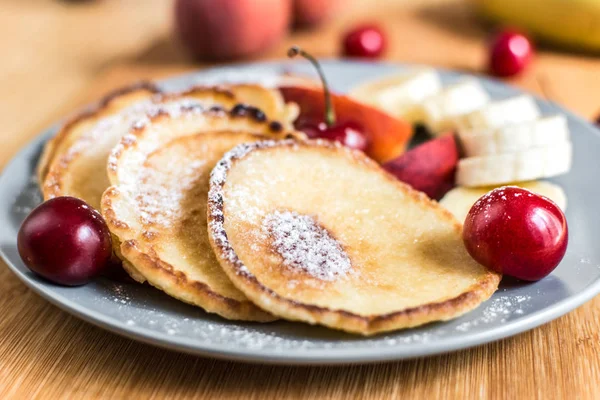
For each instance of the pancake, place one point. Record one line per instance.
(110, 104)
(314, 232)
(156, 208)
(129, 98)
(270, 101)
(80, 170)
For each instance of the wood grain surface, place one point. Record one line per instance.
(75, 54)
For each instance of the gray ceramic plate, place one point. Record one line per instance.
(145, 314)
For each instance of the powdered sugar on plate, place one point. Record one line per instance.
(157, 312)
(305, 245)
(29, 198)
(496, 310)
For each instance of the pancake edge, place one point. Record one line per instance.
(49, 151)
(147, 267)
(52, 184)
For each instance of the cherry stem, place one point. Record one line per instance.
(329, 111)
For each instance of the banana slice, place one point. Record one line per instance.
(460, 200)
(440, 110)
(515, 137)
(400, 95)
(510, 111)
(541, 162)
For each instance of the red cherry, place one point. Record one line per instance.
(510, 53)
(349, 134)
(516, 232)
(367, 41)
(66, 241)
(312, 129)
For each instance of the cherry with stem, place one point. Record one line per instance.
(348, 133)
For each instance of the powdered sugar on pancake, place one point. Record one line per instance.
(159, 192)
(338, 263)
(136, 116)
(141, 118)
(305, 245)
(218, 177)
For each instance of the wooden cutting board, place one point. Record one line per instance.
(46, 353)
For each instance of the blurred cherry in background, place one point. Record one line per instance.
(510, 53)
(364, 41)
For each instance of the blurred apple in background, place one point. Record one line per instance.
(227, 29)
(312, 12)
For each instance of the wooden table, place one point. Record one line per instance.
(63, 56)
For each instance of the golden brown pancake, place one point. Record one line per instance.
(80, 169)
(109, 105)
(314, 232)
(156, 208)
(78, 166)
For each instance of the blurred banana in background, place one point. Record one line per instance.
(570, 23)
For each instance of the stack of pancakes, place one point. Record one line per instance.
(213, 198)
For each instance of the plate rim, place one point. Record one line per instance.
(332, 356)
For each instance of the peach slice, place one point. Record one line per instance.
(429, 167)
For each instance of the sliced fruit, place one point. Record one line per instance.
(460, 200)
(496, 114)
(400, 94)
(387, 136)
(314, 245)
(515, 137)
(460, 98)
(537, 163)
(429, 167)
